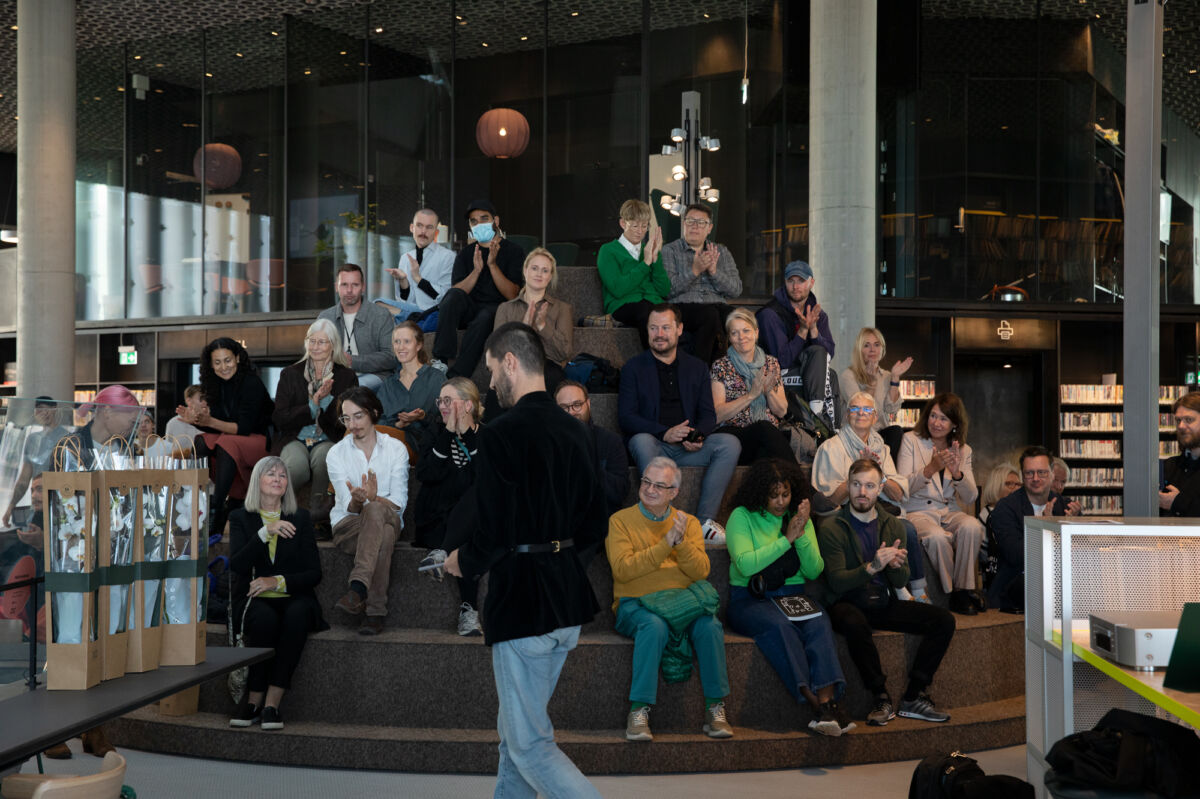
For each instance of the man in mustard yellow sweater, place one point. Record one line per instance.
(658, 561)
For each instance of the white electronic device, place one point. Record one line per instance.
(1138, 639)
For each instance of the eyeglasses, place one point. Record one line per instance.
(1036, 473)
(444, 402)
(320, 342)
(861, 409)
(648, 483)
(637, 225)
(1012, 483)
(358, 417)
(573, 407)
(697, 222)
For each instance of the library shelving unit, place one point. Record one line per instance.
(913, 396)
(1090, 424)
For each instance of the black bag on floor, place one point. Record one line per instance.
(598, 374)
(956, 776)
(1129, 751)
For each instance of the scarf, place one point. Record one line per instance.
(313, 379)
(857, 449)
(758, 406)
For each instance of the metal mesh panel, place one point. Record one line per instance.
(1057, 595)
(1120, 573)
(1096, 694)
(1035, 732)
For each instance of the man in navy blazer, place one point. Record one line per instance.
(1006, 522)
(665, 407)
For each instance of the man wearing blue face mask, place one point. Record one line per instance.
(487, 272)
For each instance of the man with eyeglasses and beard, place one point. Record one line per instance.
(1179, 494)
(1035, 497)
(612, 464)
(369, 474)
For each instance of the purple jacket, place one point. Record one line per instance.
(778, 337)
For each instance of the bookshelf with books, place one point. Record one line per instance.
(1090, 430)
(913, 396)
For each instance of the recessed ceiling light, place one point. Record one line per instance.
(208, 74)
(1004, 127)
(1191, 72)
(274, 33)
(706, 15)
(307, 71)
(137, 58)
(574, 13)
(158, 149)
(160, 65)
(158, 91)
(95, 98)
(343, 52)
(485, 44)
(120, 88)
(379, 29)
(263, 155)
(458, 16)
(524, 38)
(14, 27)
(1008, 366)
(463, 22)
(239, 55)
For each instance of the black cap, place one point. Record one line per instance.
(481, 205)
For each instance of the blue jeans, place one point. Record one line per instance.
(719, 456)
(650, 631)
(526, 672)
(916, 554)
(370, 380)
(402, 308)
(801, 652)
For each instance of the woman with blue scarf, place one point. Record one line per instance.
(748, 394)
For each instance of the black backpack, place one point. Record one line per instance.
(1129, 751)
(598, 374)
(956, 776)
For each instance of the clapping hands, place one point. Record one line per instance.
(675, 534)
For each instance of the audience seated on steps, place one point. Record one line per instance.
(369, 473)
(704, 277)
(306, 424)
(612, 466)
(443, 512)
(553, 319)
(748, 395)
(866, 374)
(631, 269)
(773, 552)
(234, 422)
(865, 565)
(665, 407)
(858, 439)
(1006, 525)
(409, 396)
(935, 459)
(487, 272)
(796, 331)
(422, 276)
(365, 328)
(664, 601)
(273, 553)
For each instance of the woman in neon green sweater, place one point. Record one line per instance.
(772, 542)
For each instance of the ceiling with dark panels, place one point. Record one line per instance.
(242, 52)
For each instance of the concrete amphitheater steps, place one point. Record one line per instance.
(601, 751)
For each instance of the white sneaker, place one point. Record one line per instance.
(816, 406)
(904, 594)
(439, 365)
(468, 620)
(714, 535)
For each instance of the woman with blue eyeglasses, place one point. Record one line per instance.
(859, 439)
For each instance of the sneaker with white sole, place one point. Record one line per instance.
(839, 714)
(882, 713)
(904, 595)
(247, 715)
(439, 365)
(431, 564)
(468, 620)
(271, 720)
(823, 722)
(922, 708)
(714, 535)
(637, 725)
(715, 723)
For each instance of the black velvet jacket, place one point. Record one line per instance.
(296, 558)
(535, 482)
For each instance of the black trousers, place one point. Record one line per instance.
(935, 626)
(458, 310)
(635, 315)
(703, 322)
(760, 440)
(282, 623)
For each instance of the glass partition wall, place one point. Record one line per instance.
(232, 170)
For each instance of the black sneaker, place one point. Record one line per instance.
(247, 715)
(922, 708)
(271, 720)
(883, 712)
(839, 714)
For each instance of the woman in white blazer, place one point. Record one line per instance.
(936, 460)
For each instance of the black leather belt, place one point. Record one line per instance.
(553, 546)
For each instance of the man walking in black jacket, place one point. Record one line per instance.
(539, 503)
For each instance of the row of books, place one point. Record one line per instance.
(1089, 448)
(1097, 477)
(1107, 505)
(146, 397)
(1103, 394)
(918, 389)
(1112, 421)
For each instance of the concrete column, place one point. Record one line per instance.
(842, 166)
(1143, 276)
(46, 198)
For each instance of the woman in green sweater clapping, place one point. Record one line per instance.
(773, 553)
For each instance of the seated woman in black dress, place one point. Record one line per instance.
(446, 469)
(234, 423)
(277, 567)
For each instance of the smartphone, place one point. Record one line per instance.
(694, 437)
